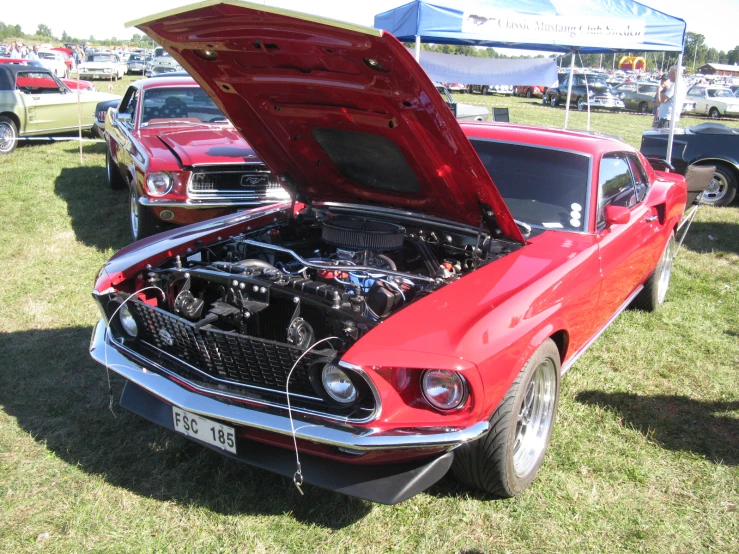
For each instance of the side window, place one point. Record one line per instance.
(696, 93)
(36, 83)
(565, 82)
(132, 103)
(629, 86)
(641, 181)
(615, 185)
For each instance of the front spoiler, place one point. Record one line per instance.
(385, 484)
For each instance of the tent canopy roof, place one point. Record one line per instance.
(592, 26)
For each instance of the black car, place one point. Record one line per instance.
(707, 144)
(587, 88)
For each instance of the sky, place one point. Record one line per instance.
(82, 18)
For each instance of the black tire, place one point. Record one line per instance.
(713, 113)
(485, 90)
(652, 296)
(529, 94)
(142, 222)
(580, 103)
(643, 107)
(723, 187)
(115, 179)
(8, 135)
(553, 101)
(544, 100)
(489, 464)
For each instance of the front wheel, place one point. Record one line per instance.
(529, 94)
(721, 190)
(505, 461)
(643, 107)
(8, 135)
(652, 296)
(713, 113)
(143, 222)
(581, 104)
(553, 101)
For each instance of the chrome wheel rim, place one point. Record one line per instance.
(716, 189)
(664, 276)
(535, 418)
(134, 209)
(6, 137)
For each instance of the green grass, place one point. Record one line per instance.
(644, 456)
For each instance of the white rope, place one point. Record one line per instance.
(105, 341)
(298, 475)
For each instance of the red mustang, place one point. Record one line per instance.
(180, 157)
(394, 321)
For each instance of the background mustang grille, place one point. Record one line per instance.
(253, 182)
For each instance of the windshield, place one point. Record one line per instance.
(720, 93)
(46, 55)
(184, 104)
(542, 187)
(100, 58)
(598, 80)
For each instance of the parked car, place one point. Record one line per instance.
(34, 102)
(102, 66)
(714, 101)
(180, 158)
(707, 144)
(136, 64)
(529, 91)
(587, 89)
(161, 62)
(54, 62)
(71, 83)
(637, 96)
(66, 56)
(456, 87)
(463, 112)
(101, 111)
(396, 320)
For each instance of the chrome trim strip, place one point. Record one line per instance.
(569, 363)
(197, 204)
(309, 429)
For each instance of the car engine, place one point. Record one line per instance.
(318, 275)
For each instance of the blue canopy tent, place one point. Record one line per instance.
(593, 27)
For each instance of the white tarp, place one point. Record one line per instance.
(448, 68)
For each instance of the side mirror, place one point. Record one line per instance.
(617, 215)
(122, 117)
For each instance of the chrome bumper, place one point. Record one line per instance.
(310, 429)
(199, 204)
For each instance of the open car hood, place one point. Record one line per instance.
(339, 112)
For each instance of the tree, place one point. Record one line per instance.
(694, 43)
(44, 31)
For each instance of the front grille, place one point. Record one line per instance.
(235, 363)
(250, 183)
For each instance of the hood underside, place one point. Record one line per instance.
(339, 112)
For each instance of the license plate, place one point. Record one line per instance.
(204, 429)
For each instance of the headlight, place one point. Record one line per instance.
(445, 390)
(338, 385)
(621, 95)
(127, 321)
(158, 183)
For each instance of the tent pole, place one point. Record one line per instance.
(569, 89)
(418, 48)
(676, 109)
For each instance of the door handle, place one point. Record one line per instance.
(650, 218)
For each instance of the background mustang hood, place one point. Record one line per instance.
(209, 146)
(339, 112)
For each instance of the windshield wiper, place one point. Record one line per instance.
(524, 226)
(175, 121)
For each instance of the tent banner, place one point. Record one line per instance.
(448, 68)
(505, 26)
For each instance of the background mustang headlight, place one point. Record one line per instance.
(445, 390)
(338, 385)
(127, 321)
(158, 183)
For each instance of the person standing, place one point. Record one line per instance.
(33, 54)
(14, 52)
(668, 97)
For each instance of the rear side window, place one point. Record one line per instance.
(32, 82)
(615, 185)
